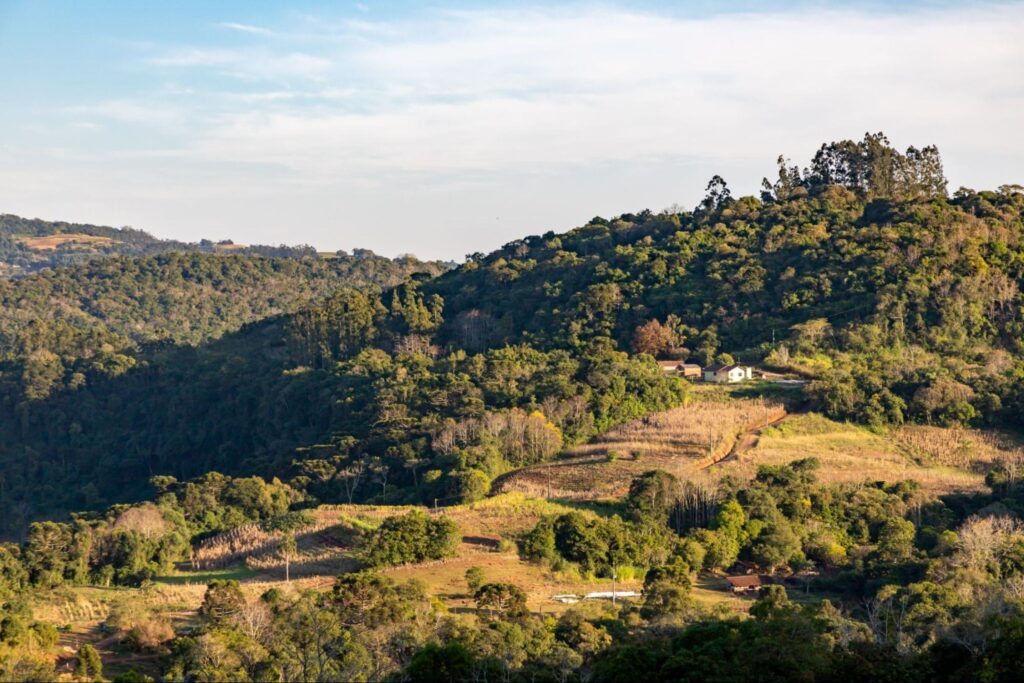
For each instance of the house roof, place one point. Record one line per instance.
(689, 366)
(720, 368)
(745, 581)
(669, 363)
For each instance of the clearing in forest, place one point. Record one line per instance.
(51, 242)
(941, 459)
(681, 441)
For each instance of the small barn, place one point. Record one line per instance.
(690, 370)
(744, 584)
(675, 367)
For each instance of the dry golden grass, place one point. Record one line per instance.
(500, 516)
(679, 441)
(447, 581)
(853, 454)
(51, 242)
(969, 449)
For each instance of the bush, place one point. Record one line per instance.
(539, 543)
(474, 579)
(150, 634)
(415, 537)
(88, 663)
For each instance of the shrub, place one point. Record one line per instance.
(474, 579)
(87, 662)
(415, 537)
(539, 543)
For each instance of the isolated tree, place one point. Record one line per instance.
(654, 338)
(287, 549)
(222, 602)
(718, 195)
(505, 600)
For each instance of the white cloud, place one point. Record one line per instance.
(257, 64)
(246, 28)
(519, 89)
(542, 117)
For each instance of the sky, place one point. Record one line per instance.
(450, 128)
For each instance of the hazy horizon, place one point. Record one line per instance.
(449, 130)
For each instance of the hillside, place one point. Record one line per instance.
(904, 302)
(900, 303)
(28, 245)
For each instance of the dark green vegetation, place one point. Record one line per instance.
(387, 423)
(414, 537)
(900, 303)
(904, 305)
(29, 245)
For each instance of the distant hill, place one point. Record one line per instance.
(28, 245)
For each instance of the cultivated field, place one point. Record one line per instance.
(942, 460)
(681, 441)
(51, 242)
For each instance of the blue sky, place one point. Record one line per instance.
(456, 127)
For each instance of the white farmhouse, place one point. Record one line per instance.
(728, 374)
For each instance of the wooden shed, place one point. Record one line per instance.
(745, 583)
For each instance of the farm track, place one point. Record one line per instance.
(682, 441)
(749, 439)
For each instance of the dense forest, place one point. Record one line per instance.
(152, 402)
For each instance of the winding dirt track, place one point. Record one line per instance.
(746, 441)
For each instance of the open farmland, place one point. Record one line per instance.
(51, 242)
(942, 460)
(681, 441)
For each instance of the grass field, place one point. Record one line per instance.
(941, 459)
(51, 242)
(681, 441)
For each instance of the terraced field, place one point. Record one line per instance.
(682, 441)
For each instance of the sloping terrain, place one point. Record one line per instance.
(681, 441)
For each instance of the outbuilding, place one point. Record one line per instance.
(745, 583)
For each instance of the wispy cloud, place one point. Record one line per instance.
(255, 64)
(246, 28)
(474, 91)
(546, 116)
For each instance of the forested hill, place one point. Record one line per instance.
(858, 270)
(28, 245)
(61, 323)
